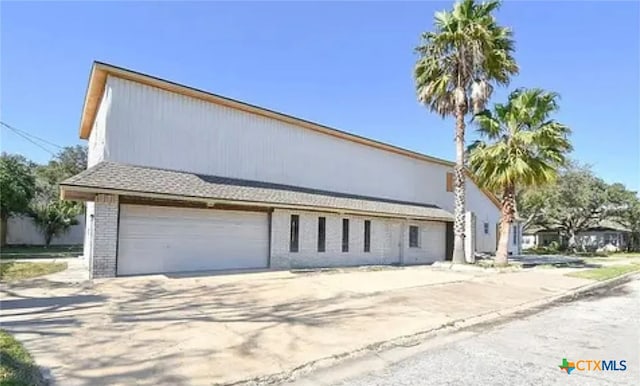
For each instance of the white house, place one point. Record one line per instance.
(180, 179)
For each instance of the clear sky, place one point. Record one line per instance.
(347, 65)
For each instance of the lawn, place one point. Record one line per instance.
(16, 365)
(10, 270)
(604, 273)
(37, 252)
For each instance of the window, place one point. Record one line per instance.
(345, 235)
(486, 228)
(515, 235)
(295, 230)
(413, 237)
(449, 182)
(322, 226)
(367, 236)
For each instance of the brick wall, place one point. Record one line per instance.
(105, 236)
(386, 241)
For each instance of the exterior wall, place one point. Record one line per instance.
(105, 236)
(152, 127)
(515, 239)
(432, 243)
(485, 213)
(97, 147)
(89, 213)
(22, 231)
(389, 241)
(385, 239)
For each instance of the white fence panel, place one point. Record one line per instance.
(22, 231)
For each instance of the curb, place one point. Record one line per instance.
(489, 318)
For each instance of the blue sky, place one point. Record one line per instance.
(346, 65)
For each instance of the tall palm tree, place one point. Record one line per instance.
(458, 64)
(524, 147)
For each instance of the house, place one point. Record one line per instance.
(180, 179)
(606, 235)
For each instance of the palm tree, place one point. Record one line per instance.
(524, 148)
(458, 62)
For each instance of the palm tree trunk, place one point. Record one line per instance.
(459, 190)
(507, 216)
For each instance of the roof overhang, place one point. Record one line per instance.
(101, 71)
(162, 184)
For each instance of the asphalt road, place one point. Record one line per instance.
(527, 351)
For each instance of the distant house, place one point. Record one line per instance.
(607, 235)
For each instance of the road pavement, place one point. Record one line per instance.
(525, 351)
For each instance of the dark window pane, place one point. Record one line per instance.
(413, 236)
(367, 236)
(345, 235)
(322, 224)
(295, 230)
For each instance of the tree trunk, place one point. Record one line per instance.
(47, 239)
(507, 215)
(3, 231)
(459, 190)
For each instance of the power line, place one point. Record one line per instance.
(15, 129)
(28, 139)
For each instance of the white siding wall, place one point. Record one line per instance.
(486, 212)
(97, 139)
(152, 127)
(22, 231)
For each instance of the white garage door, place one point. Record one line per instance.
(154, 239)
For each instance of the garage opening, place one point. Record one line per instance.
(161, 239)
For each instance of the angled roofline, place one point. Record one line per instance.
(100, 71)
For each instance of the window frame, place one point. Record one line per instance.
(322, 234)
(367, 236)
(294, 233)
(415, 244)
(345, 235)
(449, 183)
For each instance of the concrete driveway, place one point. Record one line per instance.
(221, 329)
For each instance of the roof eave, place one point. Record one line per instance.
(86, 193)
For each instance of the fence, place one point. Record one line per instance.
(22, 231)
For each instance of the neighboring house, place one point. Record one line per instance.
(183, 180)
(607, 235)
(21, 230)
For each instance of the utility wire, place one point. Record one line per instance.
(15, 129)
(28, 139)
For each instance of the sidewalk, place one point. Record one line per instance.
(224, 329)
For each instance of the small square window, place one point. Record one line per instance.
(414, 233)
(486, 228)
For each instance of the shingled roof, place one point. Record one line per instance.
(139, 180)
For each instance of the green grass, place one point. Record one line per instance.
(604, 273)
(16, 364)
(11, 270)
(626, 254)
(38, 252)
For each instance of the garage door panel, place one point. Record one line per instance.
(165, 239)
